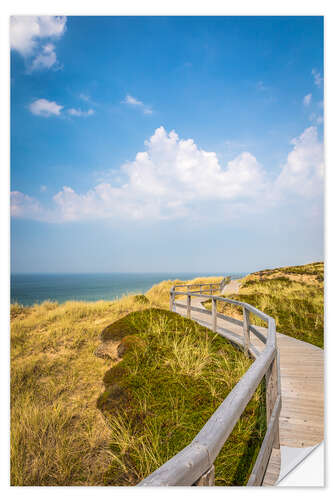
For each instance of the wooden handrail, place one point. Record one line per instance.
(194, 465)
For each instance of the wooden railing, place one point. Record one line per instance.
(194, 465)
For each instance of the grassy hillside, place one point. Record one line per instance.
(293, 295)
(92, 412)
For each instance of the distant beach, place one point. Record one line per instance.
(28, 289)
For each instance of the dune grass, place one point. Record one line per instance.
(60, 436)
(173, 376)
(293, 296)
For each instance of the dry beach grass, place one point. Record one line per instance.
(78, 418)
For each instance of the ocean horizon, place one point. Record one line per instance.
(33, 288)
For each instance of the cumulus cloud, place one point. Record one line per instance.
(27, 34)
(303, 172)
(307, 99)
(132, 101)
(46, 59)
(43, 107)
(78, 112)
(24, 206)
(174, 178)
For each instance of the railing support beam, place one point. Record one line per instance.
(207, 479)
(214, 315)
(246, 330)
(189, 306)
(171, 299)
(272, 391)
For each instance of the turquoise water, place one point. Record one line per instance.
(28, 289)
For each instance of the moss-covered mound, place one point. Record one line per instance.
(172, 377)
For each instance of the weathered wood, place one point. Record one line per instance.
(246, 330)
(273, 468)
(196, 285)
(264, 454)
(230, 319)
(214, 315)
(217, 429)
(181, 470)
(189, 306)
(258, 334)
(194, 464)
(301, 420)
(179, 304)
(200, 310)
(171, 300)
(271, 332)
(207, 479)
(271, 395)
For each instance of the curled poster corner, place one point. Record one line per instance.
(302, 467)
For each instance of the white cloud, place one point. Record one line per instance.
(78, 112)
(43, 189)
(303, 172)
(307, 99)
(43, 107)
(46, 59)
(132, 101)
(27, 34)
(174, 178)
(24, 206)
(317, 77)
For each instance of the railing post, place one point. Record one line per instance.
(272, 391)
(207, 479)
(214, 315)
(188, 306)
(246, 330)
(171, 299)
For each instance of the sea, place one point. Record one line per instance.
(29, 289)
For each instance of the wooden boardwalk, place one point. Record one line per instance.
(301, 422)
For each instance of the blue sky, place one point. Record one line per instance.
(166, 143)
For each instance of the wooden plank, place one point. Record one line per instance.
(179, 304)
(230, 319)
(171, 300)
(200, 310)
(273, 468)
(258, 334)
(272, 394)
(264, 454)
(214, 315)
(188, 300)
(246, 331)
